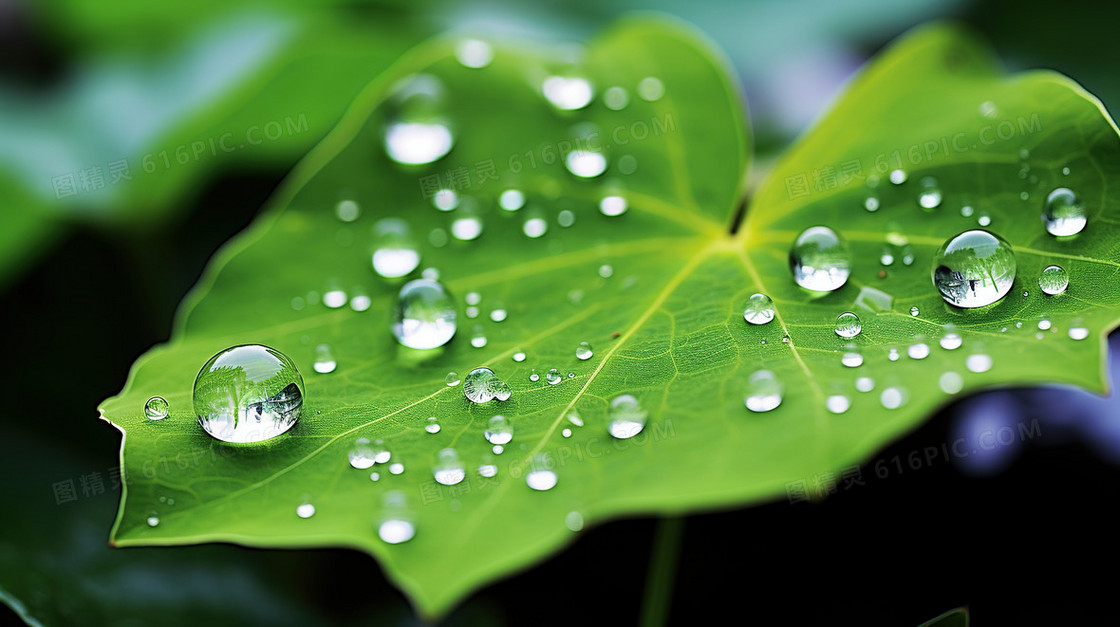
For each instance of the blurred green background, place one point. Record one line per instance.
(136, 137)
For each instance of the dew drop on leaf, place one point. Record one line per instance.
(395, 252)
(552, 377)
(1053, 280)
(305, 510)
(950, 382)
(324, 361)
(978, 363)
(156, 408)
(848, 325)
(452, 379)
(153, 520)
(851, 359)
(567, 93)
(838, 403)
(892, 397)
(651, 89)
(974, 269)
(502, 391)
(347, 210)
(865, 384)
(445, 200)
(919, 350)
(432, 426)
(511, 200)
(764, 391)
(759, 310)
(448, 469)
(248, 393)
(425, 315)
(1078, 333)
(395, 525)
(914, 311)
(540, 477)
(519, 356)
(478, 386)
(820, 260)
(534, 228)
(362, 455)
(898, 177)
(1064, 214)
(616, 98)
(871, 203)
(498, 430)
(613, 206)
(583, 351)
(930, 196)
(585, 164)
(625, 417)
(473, 53)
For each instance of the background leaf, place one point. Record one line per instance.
(674, 297)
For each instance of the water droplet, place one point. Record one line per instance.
(919, 350)
(156, 408)
(540, 476)
(893, 397)
(1078, 333)
(1044, 325)
(785, 339)
(478, 338)
(887, 256)
(375, 476)
(324, 360)
(1053, 280)
(1024, 195)
(566, 218)
(498, 449)
(432, 426)
(574, 418)
(347, 210)
(951, 341)
(425, 315)
(553, 376)
(466, 228)
(488, 468)
(848, 325)
(907, 255)
(566, 432)
(153, 520)
(852, 359)
(898, 177)
(966, 211)
(473, 53)
(625, 417)
(573, 521)
(606, 271)
(534, 228)
(519, 357)
(820, 260)
(533, 376)
(585, 163)
(498, 430)
(396, 468)
(764, 392)
(360, 302)
(978, 363)
(448, 469)
(511, 200)
(248, 393)
(930, 196)
(478, 386)
(437, 237)
(452, 379)
(988, 109)
(616, 98)
(305, 510)
(865, 384)
(950, 382)
(334, 299)
(473, 298)
(502, 391)
(838, 403)
(445, 200)
(583, 351)
(498, 315)
(984, 219)
(612, 206)
(416, 143)
(892, 354)
(871, 203)
(914, 311)
(362, 455)
(651, 89)
(627, 164)
(396, 524)
(380, 453)
(567, 93)
(760, 309)
(395, 254)
(974, 269)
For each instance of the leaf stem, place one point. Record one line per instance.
(662, 571)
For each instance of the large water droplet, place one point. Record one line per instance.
(583, 351)
(396, 524)
(498, 430)
(540, 476)
(567, 93)
(930, 196)
(764, 392)
(395, 254)
(759, 310)
(820, 260)
(1053, 280)
(1064, 214)
(625, 417)
(585, 163)
(156, 408)
(324, 360)
(248, 393)
(478, 386)
(848, 325)
(448, 469)
(425, 315)
(362, 455)
(974, 269)
(919, 350)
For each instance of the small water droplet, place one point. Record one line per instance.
(502, 391)
(437, 237)
(361, 455)
(375, 476)
(565, 218)
(305, 510)
(466, 228)
(759, 310)
(347, 210)
(907, 255)
(978, 363)
(1053, 280)
(893, 397)
(966, 211)
(335, 299)
(574, 418)
(566, 432)
(930, 196)
(871, 203)
(474, 53)
(1044, 325)
(533, 376)
(448, 469)
(583, 351)
(478, 338)
(487, 468)
(425, 315)
(865, 384)
(838, 403)
(1078, 333)
(627, 164)
(452, 379)
(511, 200)
(573, 521)
(651, 89)
(519, 356)
(395, 254)
(606, 271)
(324, 360)
(540, 476)
(1024, 195)
(950, 382)
(785, 339)
(498, 430)
(919, 350)
(445, 200)
(478, 386)
(534, 228)
(616, 98)
(898, 177)
(820, 260)
(498, 449)
(988, 109)
(625, 417)
(613, 206)
(156, 408)
(553, 376)
(498, 315)
(248, 393)
(951, 341)
(764, 392)
(471, 312)
(974, 269)
(914, 311)
(852, 359)
(848, 325)
(585, 163)
(892, 354)
(887, 256)
(395, 524)
(360, 302)
(153, 520)
(396, 468)
(567, 93)
(432, 426)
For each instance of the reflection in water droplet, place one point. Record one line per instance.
(553, 376)
(848, 325)
(156, 408)
(567, 93)
(1053, 280)
(248, 393)
(625, 417)
(585, 163)
(583, 351)
(820, 260)
(478, 386)
(425, 315)
(1064, 214)
(974, 269)
(764, 392)
(759, 310)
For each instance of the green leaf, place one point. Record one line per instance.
(953, 618)
(666, 325)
